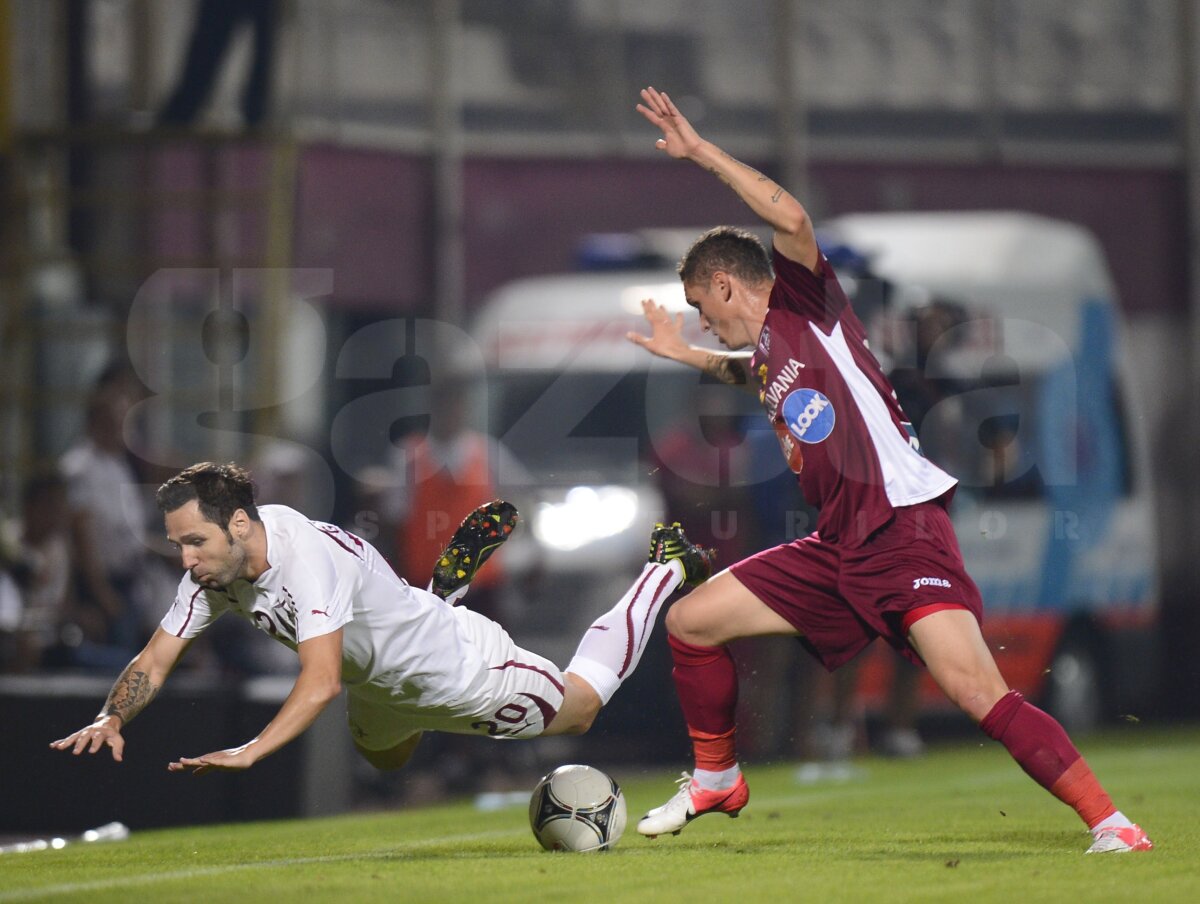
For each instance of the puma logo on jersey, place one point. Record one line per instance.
(324, 612)
(930, 582)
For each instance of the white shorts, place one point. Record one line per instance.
(516, 695)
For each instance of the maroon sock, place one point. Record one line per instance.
(1041, 747)
(706, 682)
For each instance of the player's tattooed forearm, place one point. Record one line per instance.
(720, 175)
(745, 166)
(130, 695)
(727, 369)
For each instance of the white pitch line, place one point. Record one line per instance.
(71, 888)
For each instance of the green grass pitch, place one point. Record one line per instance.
(961, 824)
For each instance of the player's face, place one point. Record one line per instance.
(714, 303)
(214, 558)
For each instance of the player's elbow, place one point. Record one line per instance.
(324, 691)
(793, 219)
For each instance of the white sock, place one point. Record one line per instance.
(611, 648)
(1117, 820)
(717, 781)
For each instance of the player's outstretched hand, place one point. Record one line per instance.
(679, 139)
(232, 760)
(104, 732)
(666, 332)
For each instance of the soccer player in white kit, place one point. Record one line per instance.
(410, 660)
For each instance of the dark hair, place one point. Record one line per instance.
(730, 249)
(220, 489)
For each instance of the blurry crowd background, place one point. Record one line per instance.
(228, 226)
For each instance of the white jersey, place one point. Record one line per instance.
(402, 648)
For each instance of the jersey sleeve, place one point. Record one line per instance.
(327, 562)
(194, 610)
(815, 295)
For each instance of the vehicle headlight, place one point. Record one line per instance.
(585, 515)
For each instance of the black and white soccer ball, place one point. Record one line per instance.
(577, 808)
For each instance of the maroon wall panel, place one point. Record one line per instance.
(527, 216)
(1139, 216)
(368, 215)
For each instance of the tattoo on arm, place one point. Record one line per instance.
(761, 178)
(729, 369)
(130, 695)
(745, 166)
(716, 172)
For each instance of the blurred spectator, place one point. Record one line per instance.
(438, 475)
(212, 35)
(11, 607)
(122, 585)
(39, 550)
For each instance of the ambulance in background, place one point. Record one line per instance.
(1002, 328)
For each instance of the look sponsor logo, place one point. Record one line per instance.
(809, 415)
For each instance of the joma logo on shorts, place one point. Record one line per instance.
(930, 582)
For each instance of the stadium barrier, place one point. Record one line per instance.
(43, 790)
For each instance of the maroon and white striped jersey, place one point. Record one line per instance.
(836, 415)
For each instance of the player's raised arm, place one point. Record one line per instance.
(783, 213)
(666, 340)
(138, 684)
(319, 682)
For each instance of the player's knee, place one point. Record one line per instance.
(581, 722)
(574, 721)
(581, 704)
(682, 626)
(975, 695)
(377, 758)
(679, 625)
(392, 758)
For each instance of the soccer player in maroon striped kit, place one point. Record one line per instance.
(883, 562)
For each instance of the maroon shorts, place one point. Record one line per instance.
(841, 599)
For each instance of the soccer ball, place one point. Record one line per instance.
(577, 808)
